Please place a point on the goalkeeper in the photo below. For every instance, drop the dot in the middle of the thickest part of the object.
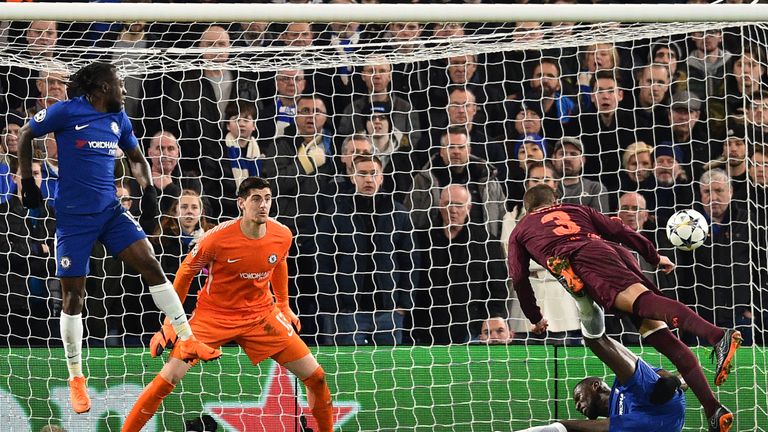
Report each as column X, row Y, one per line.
column 643, row 399
column 244, row 258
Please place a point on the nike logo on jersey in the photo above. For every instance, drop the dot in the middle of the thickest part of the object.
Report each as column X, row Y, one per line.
column 230, row 260
column 81, row 127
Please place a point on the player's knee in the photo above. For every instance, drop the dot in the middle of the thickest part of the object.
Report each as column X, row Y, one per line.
column 174, row 371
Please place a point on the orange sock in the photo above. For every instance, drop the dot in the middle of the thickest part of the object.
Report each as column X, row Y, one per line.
column 147, row 404
column 319, row 399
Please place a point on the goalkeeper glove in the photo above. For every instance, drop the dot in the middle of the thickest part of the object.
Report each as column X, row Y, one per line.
column 164, row 338
column 31, row 196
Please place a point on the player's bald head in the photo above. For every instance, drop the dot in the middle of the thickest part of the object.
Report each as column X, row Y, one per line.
column 539, row 196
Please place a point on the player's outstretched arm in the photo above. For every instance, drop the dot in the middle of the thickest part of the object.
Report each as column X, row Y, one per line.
column 31, row 195
column 141, row 170
column 615, row 355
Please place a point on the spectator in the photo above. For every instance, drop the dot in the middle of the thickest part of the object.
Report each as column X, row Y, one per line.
column 377, row 80
column 9, row 146
column 564, row 318
column 38, row 40
column 462, row 110
column 651, row 96
column 365, row 260
column 163, row 155
column 722, row 268
column 567, row 161
column 607, row 131
column 594, row 58
column 495, row 331
column 464, row 71
column 51, row 87
column 667, row 53
column 299, row 163
column 10, row 133
column 637, row 168
column 526, row 120
column 560, row 111
column 745, row 78
column 690, row 134
column 673, row 190
column 734, row 162
column 531, row 149
column 464, row 279
column 394, row 150
column 244, row 157
column 455, row 164
column 278, row 113
column 26, row 262
column 296, row 34
column 180, row 228
column 756, row 117
column 403, row 36
column 196, row 103
column 707, row 69
column 633, row 211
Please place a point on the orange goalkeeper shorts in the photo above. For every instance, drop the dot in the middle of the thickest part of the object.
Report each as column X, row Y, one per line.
column 263, row 336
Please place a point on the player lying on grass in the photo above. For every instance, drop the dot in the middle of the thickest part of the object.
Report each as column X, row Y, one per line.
column 89, row 128
column 244, row 257
column 581, row 247
column 642, row 399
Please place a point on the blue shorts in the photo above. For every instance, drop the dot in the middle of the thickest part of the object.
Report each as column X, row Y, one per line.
column 77, row 233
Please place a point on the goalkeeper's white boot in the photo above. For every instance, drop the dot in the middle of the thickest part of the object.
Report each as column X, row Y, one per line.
column 192, row 349
column 78, row 395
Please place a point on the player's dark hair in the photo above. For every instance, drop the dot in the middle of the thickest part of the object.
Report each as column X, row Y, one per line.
column 252, row 183
column 539, row 195
column 89, row 79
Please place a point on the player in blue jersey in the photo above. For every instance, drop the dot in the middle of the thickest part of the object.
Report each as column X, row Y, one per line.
column 89, row 128
column 643, row 398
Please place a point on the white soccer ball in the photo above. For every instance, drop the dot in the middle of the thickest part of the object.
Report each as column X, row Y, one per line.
column 687, row 229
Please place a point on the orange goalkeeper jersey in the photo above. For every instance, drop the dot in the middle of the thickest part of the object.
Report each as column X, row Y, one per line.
column 240, row 269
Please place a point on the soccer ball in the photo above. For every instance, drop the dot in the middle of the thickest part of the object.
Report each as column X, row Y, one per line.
column 687, row 229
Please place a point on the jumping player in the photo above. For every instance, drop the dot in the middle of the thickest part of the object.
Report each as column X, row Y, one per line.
column 244, row 257
column 642, row 399
column 89, row 129
column 577, row 244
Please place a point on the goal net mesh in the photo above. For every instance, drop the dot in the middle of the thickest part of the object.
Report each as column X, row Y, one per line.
column 399, row 279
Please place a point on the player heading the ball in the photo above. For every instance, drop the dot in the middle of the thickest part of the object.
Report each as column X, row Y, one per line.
column 244, row 257
column 89, row 128
column 584, row 248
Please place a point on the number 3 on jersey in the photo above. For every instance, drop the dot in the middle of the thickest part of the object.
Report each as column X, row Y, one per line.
column 565, row 225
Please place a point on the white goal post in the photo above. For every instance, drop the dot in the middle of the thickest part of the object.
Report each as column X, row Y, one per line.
column 444, row 374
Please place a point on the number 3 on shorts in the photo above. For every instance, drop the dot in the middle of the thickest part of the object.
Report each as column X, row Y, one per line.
column 285, row 323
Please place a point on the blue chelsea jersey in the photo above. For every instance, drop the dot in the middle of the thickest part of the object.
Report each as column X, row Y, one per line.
column 87, row 141
column 632, row 411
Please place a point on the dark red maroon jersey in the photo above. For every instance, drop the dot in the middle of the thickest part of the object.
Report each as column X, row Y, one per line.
column 560, row 230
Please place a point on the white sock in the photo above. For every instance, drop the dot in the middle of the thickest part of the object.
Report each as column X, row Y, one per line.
column 167, row 300
column 72, row 335
column 591, row 316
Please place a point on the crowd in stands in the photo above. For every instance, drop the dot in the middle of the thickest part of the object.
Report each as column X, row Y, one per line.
column 402, row 182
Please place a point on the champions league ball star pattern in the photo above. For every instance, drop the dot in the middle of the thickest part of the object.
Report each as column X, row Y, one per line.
column 687, row 229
